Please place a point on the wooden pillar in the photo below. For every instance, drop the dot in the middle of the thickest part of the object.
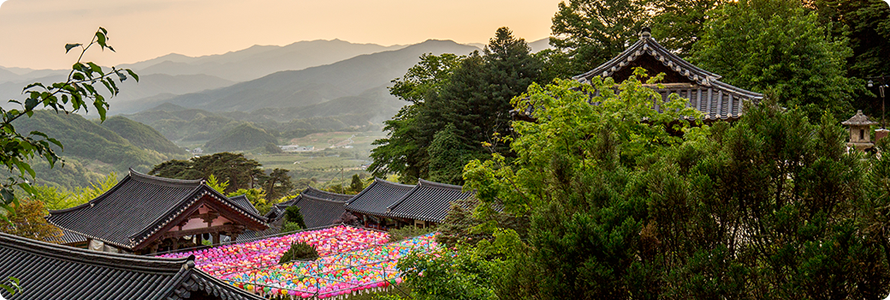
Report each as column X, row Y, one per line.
column 216, row 240
column 175, row 245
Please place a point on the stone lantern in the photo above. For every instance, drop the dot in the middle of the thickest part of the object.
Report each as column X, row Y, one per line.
column 860, row 131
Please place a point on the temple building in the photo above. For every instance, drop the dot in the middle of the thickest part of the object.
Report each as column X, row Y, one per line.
column 705, row 91
column 145, row 214
column 50, row 271
column 385, row 205
column 319, row 208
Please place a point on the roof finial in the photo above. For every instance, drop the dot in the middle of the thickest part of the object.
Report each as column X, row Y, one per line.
column 645, row 33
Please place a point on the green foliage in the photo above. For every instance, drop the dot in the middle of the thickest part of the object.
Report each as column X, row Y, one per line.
column 11, row 286
column 867, row 26
column 473, row 96
column 290, row 227
column 299, row 251
column 679, row 24
column 447, row 154
column 277, row 184
column 771, row 207
column 28, row 221
column 237, row 170
column 408, row 232
column 779, row 47
column 293, row 215
column 257, row 197
column 245, row 136
column 593, row 31
column 76, row 93
column 356, row 186
column 214, row 183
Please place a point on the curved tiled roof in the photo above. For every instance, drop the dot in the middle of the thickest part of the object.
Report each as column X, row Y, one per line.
column 377, row 197
column 49, row 271
column 319, row 212
column 244, row 203
column 277, row 210
column 428, row 201
column 138, row 207
column 716, row 99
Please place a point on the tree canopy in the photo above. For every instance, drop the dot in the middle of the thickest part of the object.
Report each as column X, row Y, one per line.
column 239, row 171
column 779, row 47
column 469, row 95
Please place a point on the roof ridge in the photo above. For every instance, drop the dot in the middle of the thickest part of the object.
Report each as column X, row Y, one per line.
column 321, row 199
column 405, row 196
column 93, row 201
column 162, row 180
column 326, row 192
column 439, row 184
column 62, row 252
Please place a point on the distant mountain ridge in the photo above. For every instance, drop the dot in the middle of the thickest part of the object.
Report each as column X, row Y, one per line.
column 315, row 85
column 93, row 149
column 257, row 61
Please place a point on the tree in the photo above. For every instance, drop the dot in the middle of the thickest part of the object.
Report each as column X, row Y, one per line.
column 28, row 221
column 239, row 171
column 356, row 186
column 402, row 151
column 277, row 184
column 446, row 153
column 76, row 93
column 866, row 23
column 779, row 47
column 474, row 98
column 292, row 214
column 770, row 207
column 593, row 31
column 678, row 25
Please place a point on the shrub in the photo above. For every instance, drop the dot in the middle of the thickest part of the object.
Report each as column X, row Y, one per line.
column 293, row 215
column 299, row 251
column 290, row 227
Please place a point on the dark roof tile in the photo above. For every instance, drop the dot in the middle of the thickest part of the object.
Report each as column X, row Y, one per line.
column 428, row 201
column 136, row 208
column 377, row 197
column 49, row 271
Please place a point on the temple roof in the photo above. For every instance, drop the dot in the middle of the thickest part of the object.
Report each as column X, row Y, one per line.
column 716, row 99
column 428, row 201
column 859, row 119
column 48, row 271
column 319, row 212
column 378, row 197
column 244, row 203
column 140, row 205
column 277, row 210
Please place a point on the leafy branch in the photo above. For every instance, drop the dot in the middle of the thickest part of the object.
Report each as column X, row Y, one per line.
column 78, row 92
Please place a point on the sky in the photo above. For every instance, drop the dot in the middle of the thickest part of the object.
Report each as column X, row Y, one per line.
column 33, row 33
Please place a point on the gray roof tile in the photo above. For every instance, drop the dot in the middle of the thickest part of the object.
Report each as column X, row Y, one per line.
column 377, row 197
column 49, row 271
column 135, row 208
column 428, row 201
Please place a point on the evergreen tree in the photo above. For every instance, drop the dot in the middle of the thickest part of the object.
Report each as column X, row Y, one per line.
column 779, row 47
column 594, row 31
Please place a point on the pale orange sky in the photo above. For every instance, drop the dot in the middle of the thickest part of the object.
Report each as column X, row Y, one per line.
column 33, row 32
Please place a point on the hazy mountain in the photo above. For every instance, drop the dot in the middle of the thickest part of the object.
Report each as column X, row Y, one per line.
column 258, row 61
column 539, row 45
column 314, row 85
column 93, row 150
column 6, row 75
column 161, row 86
